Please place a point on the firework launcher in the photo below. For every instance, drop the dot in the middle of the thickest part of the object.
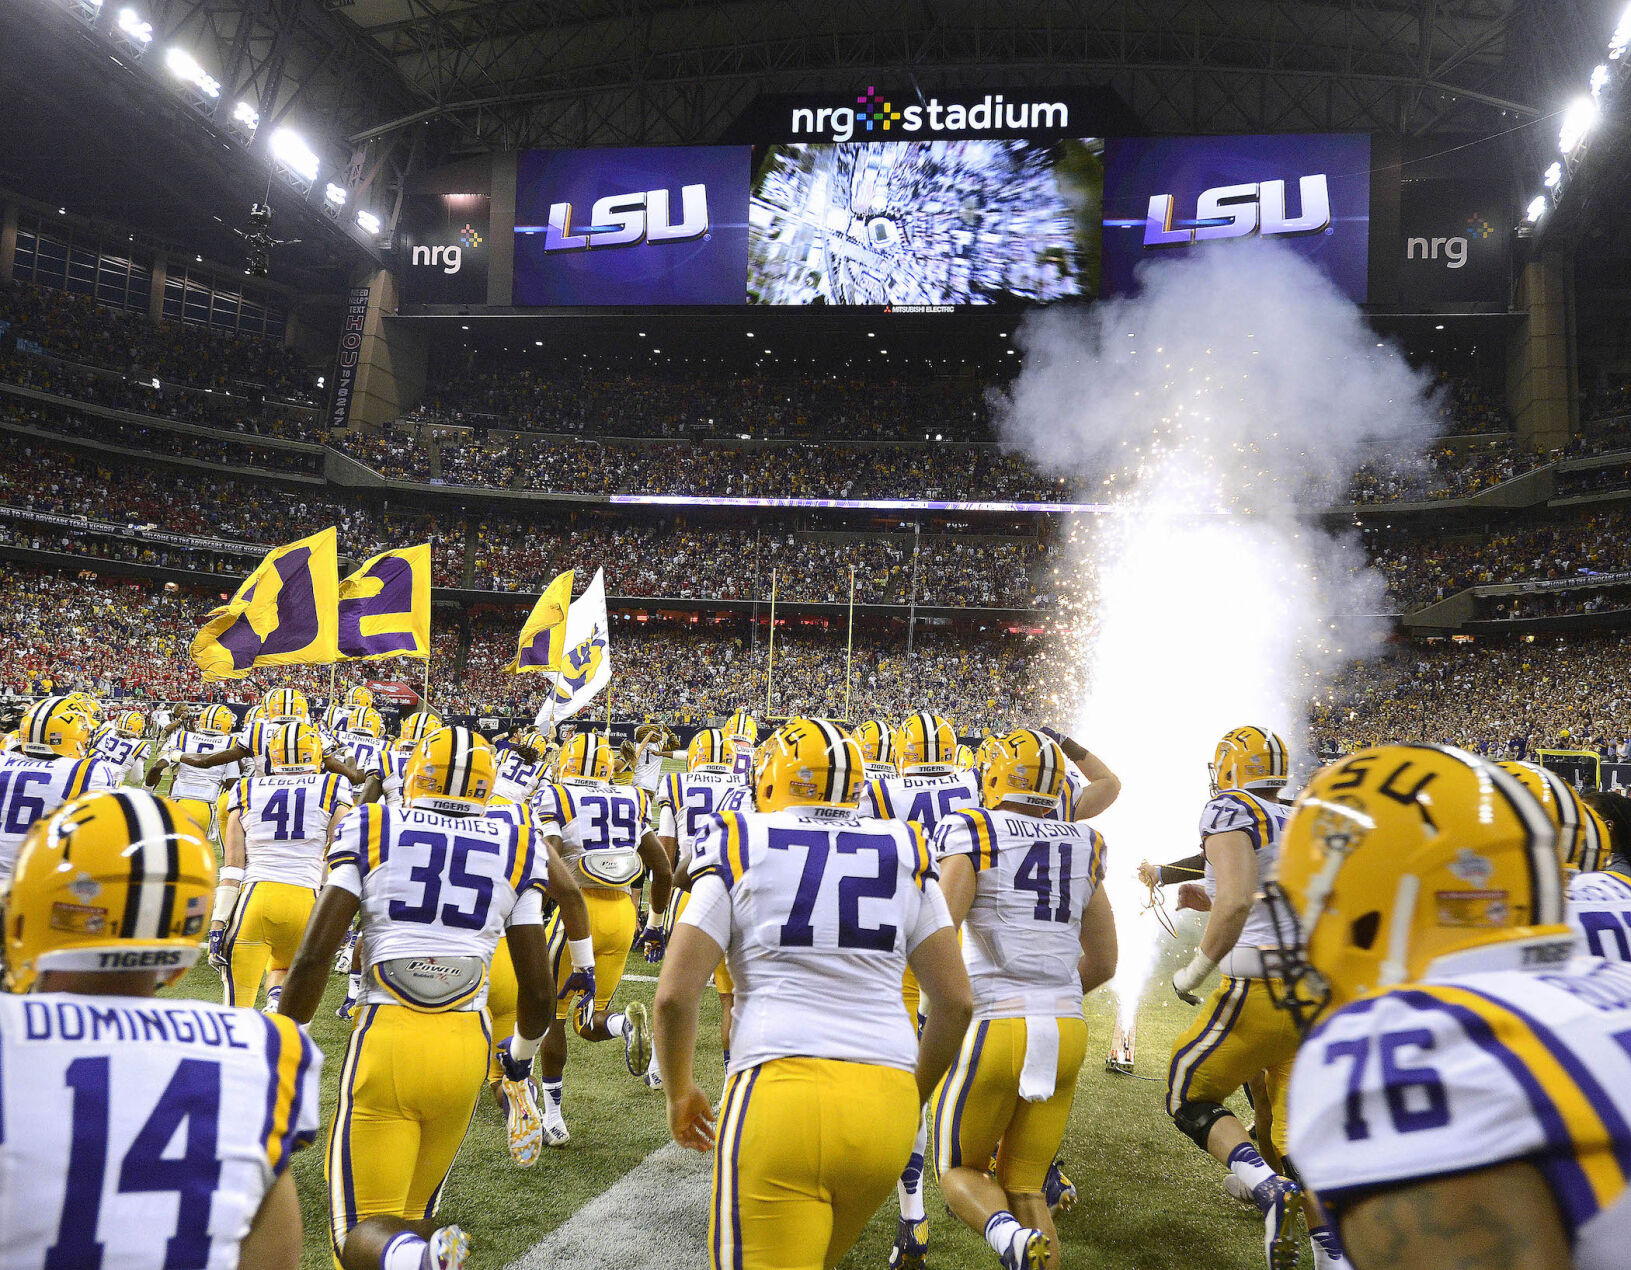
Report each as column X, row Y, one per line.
column 1120, row 1058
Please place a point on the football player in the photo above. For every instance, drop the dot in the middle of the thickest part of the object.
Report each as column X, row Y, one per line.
column 1463, row 1091
column 1038, row 934
column 123, row 745
column 811, row 905
column 137, row 1136
column 1239, row 1032
column 198, row 785
column 599, row 830
column 1600, row 899
column 50, row 766
column 742, row 731
column 520, row 766
column 276, row 831
column 685, row 801
column 876, row 741
column 363, row 742
column 437, row 884
column 927, row 789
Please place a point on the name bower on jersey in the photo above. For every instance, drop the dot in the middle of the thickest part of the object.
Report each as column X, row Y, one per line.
column 816, row 906
column 600, row 826
column 31, row 788
column 142, row 1132
column 285, row 821
column 924, row 800
column 1600, row 912
column 1022, row 936
column 437, row 891
column 1449, row 1077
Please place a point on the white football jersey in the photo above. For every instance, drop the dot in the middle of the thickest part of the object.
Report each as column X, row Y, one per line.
column 1034, row 878
column 1600, row 912
column 34, row 787
column 817, row 910
column 138, row 1132
column 592, row 816
column 124, row 754
column 1433, row 1079
column 203, row 783
column 516, row 778
column 685, row 800
column 364, row 753
column 1075, row 787
column 435, row 885
column 285, row 820
column 742, row 763
column 648, row 769
column 1263, row 821
column 925, row 800
column 255, row 738
column 393, row 766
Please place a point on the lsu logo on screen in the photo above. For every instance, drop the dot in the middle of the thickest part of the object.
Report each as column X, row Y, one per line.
column 1239, row 211
column 627, row 220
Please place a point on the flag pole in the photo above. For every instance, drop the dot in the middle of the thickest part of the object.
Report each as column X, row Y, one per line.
column 770, row 657
column 424, row 697
column 849, row 646
column 331, row 685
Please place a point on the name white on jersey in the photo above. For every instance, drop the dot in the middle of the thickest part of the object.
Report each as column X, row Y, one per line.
column 31, row 788
column 1600, row 912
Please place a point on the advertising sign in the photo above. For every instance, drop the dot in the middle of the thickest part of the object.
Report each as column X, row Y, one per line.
column 1455, row 241
column 345, row 369
column 632, row 226
column 444, row 245
column 1182, row 194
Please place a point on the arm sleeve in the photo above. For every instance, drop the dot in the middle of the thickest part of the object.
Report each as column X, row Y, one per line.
column 294, row 1102
column 529, row 909
column 350, row 845
column 709, row 910
column 719, row 850
column 346, row 876
column 871, row 800
column 932, row 915
column 102, row 776
column 1188, row 869
column 955, row 835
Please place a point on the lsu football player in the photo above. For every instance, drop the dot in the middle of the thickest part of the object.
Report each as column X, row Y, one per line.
column 1038, row 934
column 811, row 905
column 1463, row 1091
column 1600, row 901
column 876, row 741
column 1239, row 1033
column 276, row 831
column 363, row 742
column 204, row 758
column 685, row 801
column 742, row 730
column 123, row 745
column 106, row 905
column 50, row 766
column 927, row 789
column 437, row 884
column 600, row 831
column 520, row 766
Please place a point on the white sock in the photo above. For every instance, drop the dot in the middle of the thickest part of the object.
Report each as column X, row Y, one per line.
column 617, row 1024
column 272, row 995
column 652, row 1065
column 405, row 1252
column 1327, row 1249
column 1246, row 1164
column 1000, row 1231
column 353, row 986
column 909, row 1190
column 552, row 1097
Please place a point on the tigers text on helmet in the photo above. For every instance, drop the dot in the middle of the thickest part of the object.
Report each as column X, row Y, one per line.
column 585, row 757
column 55, row 726
column 1581, row 841
column 925, row 740
column 285, row 705
column 1397, row 858
column 1249, row 758
column 115, row 881
column 876, row 740
column 1024, row 767
column 710, row 751
column 809, row 761
column 294, row 747
column 451, row 770
column 365, row 721
column 742, row 725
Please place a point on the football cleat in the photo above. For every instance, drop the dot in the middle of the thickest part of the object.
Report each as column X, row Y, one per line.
column 637, row 1039
column 1276, row 1199
column 273, row 996
column 555, row 1132
column 1028, row 1251
column 342, row 957
column 1235, row 1188
column 447, row 1249
column 911, row 1250
column 1059, row 1190
column 521, row 1120
column 653, row 1078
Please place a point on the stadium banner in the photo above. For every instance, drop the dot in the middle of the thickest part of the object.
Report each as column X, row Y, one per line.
column 444, row 248
column 853, row 504
column 586, row 662
column 345, row 370
column 83, row 524
column 543, row 634
column 283, row 614
column 1165, row 195
column 1455, row 241
column 634, row 226
column 384, row 607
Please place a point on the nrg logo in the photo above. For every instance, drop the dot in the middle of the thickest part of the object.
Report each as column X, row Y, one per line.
column 1239, row 211
column 450, row 257
column 1455, row 249
column 627, row 220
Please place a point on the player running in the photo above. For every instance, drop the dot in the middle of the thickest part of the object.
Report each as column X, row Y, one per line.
column 50, row 766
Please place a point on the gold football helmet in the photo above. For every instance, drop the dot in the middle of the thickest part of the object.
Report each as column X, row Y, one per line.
column 285, row 705
column 452, row 769
column 964, row 762
column 1024, row 767
column 585, row 757
column 925, row 741
column 112, row 881
column 365, row 722
column 710, row 751
column 55, row 727
column 87, row 705
column 1581, row 838
column 294, row 747
column 359, row 698
column 215, row 719
column 131, row 724
column 742, row 724
column 876, row 740
column 809, row 761
column 1397, row 857
column 1249, row 758
column 416, row 727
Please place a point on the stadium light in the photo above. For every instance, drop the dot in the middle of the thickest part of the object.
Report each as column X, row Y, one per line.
column 246, row 117
column 370, row 224
column 1536, row 209
column 290, row 150
column 185, row 67
column 139, row 33
column 1577, row 122
column 1554, row 174
column 1621, row 39
column 334, row 195
column 1599, row 81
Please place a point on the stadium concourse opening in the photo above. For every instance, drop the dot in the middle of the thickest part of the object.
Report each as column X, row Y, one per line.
column 691, row 636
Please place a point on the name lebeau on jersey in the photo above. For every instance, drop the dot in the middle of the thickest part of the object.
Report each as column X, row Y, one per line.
column 824, row 909
column 285, row 821
column 923, row 799
column 1600, row 913
column 32, row 787
column 600, row 826
column 1022, row 936
column 1442, row 1078
column 437, row 891
column 139, row 1132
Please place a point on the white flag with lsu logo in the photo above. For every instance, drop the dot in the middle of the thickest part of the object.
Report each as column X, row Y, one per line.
column 586, row 662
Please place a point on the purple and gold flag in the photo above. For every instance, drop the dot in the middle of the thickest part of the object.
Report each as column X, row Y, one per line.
column 284, row 614
column 385, row 607
column 543, row 637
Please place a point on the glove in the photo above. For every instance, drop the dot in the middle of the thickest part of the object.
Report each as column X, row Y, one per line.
column 579, row 981
column 1054, row 735
column 653, row 941
column 514, row 1068
column 1190, row 978
column 217, row 957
